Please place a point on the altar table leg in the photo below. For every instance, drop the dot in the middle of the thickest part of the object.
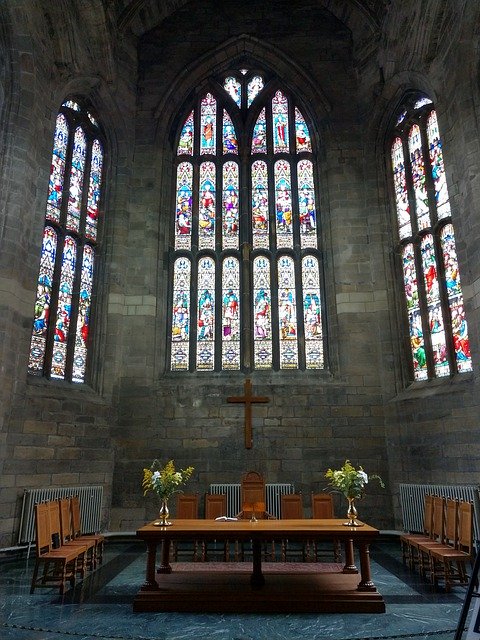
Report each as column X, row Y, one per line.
column 366, row 583
column 349, row 558
column 150, row 582
column 165, row 566
column 257, row 579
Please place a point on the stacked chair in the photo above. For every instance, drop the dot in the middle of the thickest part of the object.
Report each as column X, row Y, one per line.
column 445, row 547
column 61, row 549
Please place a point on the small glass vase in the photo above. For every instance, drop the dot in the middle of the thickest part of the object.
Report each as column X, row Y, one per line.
column 352, row 514
column 163, row 514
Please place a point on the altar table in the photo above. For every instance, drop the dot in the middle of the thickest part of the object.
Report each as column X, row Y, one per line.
column 344, row 589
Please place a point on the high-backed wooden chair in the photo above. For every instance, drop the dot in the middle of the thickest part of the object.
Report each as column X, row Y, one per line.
column 253, row 506
column 215, row 507
column 252, row 497
column 436, row 538
column 59, row 565
column 322, row 509
column 186, row 508
column 98, row 538
column 291, row 508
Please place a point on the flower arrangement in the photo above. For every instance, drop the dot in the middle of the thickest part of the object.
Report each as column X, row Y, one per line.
column 164, row 481
column 350, row 481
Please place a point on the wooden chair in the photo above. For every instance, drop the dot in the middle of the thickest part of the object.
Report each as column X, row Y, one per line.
column 215, row 507
column 98, row 538
column 252, row 500
column 291, row 508
column 59, row 565
column 322, row 509
column 186, row 508
column 252, row 497
column 449, row 561
column 59, row 513
column 436, row 538
column 408, row 541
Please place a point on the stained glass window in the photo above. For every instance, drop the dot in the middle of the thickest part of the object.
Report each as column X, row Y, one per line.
column 63, row 305
column 230, row 144
column 254, row 87
column 245, row 261
column 231, row 314
column 431, row 280
column 208, row 113
column 234, row 89
column 280, row 123
column 230, row 209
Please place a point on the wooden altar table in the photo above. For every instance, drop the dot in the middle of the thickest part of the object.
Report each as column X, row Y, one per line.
column 344, row 589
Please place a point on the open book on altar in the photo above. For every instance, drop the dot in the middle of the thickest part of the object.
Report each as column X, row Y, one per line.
column 226, row 519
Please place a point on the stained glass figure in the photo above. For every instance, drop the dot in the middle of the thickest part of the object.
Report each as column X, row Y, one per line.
column 306, row 205
column 57, row 169
column 83, row 318
column 231, row 313
column 95, row 182
column 206, row 207
column 302, row 135
column 438, row 168
column 417, row 341
column 455, row 300
column 230, row 144
column 208, row 121
column 283, row 204
column 183, row 213
column 401, row 193
column 206, row 315
column 180, row 345
column 280, row 123
column 77, row 171
column 417, row 163
column 435, row 314
column 185, row 143
column 287, row 313
column 64, row 309
column 312, row 314
column 253, row 89
column 259, row 138
column 260, row 217
column 230, row 206
column 262, row 313
column 43, row 302
column 234, row 89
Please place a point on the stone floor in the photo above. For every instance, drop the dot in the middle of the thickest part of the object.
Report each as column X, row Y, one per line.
column 101, row 607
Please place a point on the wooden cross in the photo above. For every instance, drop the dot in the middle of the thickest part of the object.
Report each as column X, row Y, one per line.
column 248, row 400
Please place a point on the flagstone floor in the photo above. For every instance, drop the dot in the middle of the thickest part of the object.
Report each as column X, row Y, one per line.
column 100, row 607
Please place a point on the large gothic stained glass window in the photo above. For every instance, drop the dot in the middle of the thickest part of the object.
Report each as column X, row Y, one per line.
column 63, row 306
column 246, row 271
column 431, row 280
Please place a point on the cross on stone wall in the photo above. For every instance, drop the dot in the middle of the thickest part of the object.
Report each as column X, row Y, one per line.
column 248, row 399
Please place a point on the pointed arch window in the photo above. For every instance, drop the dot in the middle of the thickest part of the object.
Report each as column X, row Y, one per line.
column 245, row 263
column 435, row 312
column 59, row 346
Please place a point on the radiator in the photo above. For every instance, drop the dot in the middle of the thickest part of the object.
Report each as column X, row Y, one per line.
column 412, row 501
column 273, row 491
column 90, row 508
